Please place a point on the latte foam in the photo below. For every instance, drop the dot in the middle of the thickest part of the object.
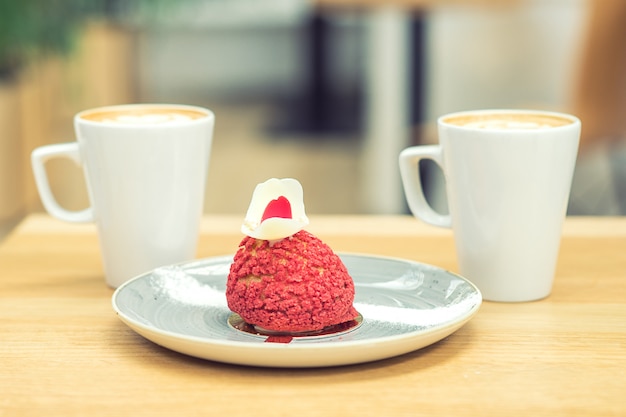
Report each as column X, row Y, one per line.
column 144, row 116
column 508, row 121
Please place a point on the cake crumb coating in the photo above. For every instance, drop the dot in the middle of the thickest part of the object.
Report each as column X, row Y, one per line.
column 297, row 284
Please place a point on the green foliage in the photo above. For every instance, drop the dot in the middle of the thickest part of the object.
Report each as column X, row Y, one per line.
column 32, row 27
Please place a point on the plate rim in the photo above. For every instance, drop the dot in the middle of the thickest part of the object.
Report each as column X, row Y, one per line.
column 447, row 327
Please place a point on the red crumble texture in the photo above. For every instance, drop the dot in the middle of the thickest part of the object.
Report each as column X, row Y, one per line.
column 299, row 284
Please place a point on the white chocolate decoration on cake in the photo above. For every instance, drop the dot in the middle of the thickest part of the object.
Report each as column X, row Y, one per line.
column 276, row 210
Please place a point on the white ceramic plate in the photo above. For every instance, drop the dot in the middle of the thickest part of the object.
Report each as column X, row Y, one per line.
column 405, row 306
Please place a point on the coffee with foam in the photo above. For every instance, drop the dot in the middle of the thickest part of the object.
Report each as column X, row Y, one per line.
column 148, row 115
column 508, row 121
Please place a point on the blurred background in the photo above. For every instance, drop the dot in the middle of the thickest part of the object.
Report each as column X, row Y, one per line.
column 326, row 91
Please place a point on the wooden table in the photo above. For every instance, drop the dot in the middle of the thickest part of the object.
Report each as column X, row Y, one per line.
column 63, row 351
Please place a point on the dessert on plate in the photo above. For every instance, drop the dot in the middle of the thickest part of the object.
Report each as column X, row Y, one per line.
column 284, row 279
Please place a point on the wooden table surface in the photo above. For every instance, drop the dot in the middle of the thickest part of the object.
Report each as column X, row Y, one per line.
column 63, row 351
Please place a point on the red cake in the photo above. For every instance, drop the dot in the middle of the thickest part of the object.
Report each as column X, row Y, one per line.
column 289, row 284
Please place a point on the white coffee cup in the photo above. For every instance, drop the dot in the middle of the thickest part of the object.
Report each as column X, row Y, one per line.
column 508, row 175
column 145, row 167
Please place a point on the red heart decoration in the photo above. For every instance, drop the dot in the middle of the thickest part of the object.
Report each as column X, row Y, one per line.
column 279, row 207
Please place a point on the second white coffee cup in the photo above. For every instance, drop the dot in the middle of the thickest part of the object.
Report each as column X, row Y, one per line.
column 145, row 167
column 507, row 176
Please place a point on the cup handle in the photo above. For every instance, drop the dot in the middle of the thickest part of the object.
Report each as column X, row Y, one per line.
column 412, row 182
column 39, row 156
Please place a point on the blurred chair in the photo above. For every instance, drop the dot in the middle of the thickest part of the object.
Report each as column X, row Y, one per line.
column 600, row 102
column 600, row 96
